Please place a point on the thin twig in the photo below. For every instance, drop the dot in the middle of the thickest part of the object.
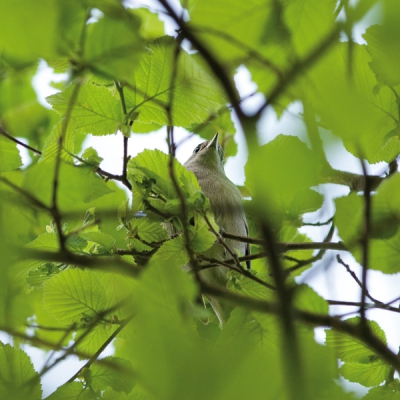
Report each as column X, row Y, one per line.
column 365, row 244
column 7, row 135
column 354, row 276
column 221, row 240
column 368, row 306
column 286, row 246
column 228, row 264
column 54, row 207
column 102, row 347
column 33, row 200
column 318, row 256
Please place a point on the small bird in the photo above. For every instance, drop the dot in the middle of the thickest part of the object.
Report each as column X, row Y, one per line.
column 207, row 164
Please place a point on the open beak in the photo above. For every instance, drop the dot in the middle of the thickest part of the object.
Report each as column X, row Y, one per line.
column 213, row 142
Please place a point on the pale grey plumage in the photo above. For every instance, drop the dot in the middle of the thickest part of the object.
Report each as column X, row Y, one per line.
column 206, row 163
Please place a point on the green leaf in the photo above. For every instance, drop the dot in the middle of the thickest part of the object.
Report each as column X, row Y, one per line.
column 91, row 156
column 96, row 110
column 349, row 105
column 147, row 230
column 195, row 95
column 18, row 378
column 72, row 391
column 151, row 27
column 45, row 242
column 248, row 287
column 384, row 244
column 385, row 208
column 201, row 237
column 114, row 372
column 365, row 374
column 172, row 253
column 233, row 29
column 383, row 393
column 74, row 295
column 113, row 47
column 384, row 48
column 9, row 155
column 119, row 293
column 90, row 339
column 152, row 167
column 309, row 21
column 52, row 143
column 101, row 238
column 29, row 40
column 284, row 193
column 78, row 185
column 349, row 208
column 306, row 299
column 351, row 349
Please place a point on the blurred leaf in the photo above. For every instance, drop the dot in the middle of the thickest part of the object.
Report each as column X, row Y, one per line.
column 72, row 391
column 248, row 287
column 117, row 374
column 113, row 46
column 284, row 193
column 18, row 378
column 74, row 295
column 306, row 299
column 101, row 238
column 383, row 393
column 309, row 21
column 52, row 143
column 29, row 40
column 348, row 104
column 91, row 338
column 9, row 155
column 78, row 185
column 384, row 47
column 151, row 26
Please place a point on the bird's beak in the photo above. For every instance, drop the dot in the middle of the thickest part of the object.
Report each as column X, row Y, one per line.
column 213, row 142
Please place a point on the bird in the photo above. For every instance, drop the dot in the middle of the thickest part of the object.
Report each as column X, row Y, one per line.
column 207, row 164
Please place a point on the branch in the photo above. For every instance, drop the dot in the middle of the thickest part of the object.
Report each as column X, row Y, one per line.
column 102, row 348
column 7, row 135
column 285, row 246
column 355, row 182
column 368, row 306
column 228, row 264
column 318, row 256
column 365, row 243
column 54, row 207
column 103, row 263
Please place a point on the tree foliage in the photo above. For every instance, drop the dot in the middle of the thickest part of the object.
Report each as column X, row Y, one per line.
column 84, row 264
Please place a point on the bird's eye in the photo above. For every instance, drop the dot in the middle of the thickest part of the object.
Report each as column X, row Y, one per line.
column 196, row 150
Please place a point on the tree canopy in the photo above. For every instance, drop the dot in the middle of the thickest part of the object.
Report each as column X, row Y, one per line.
column 85, row 259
